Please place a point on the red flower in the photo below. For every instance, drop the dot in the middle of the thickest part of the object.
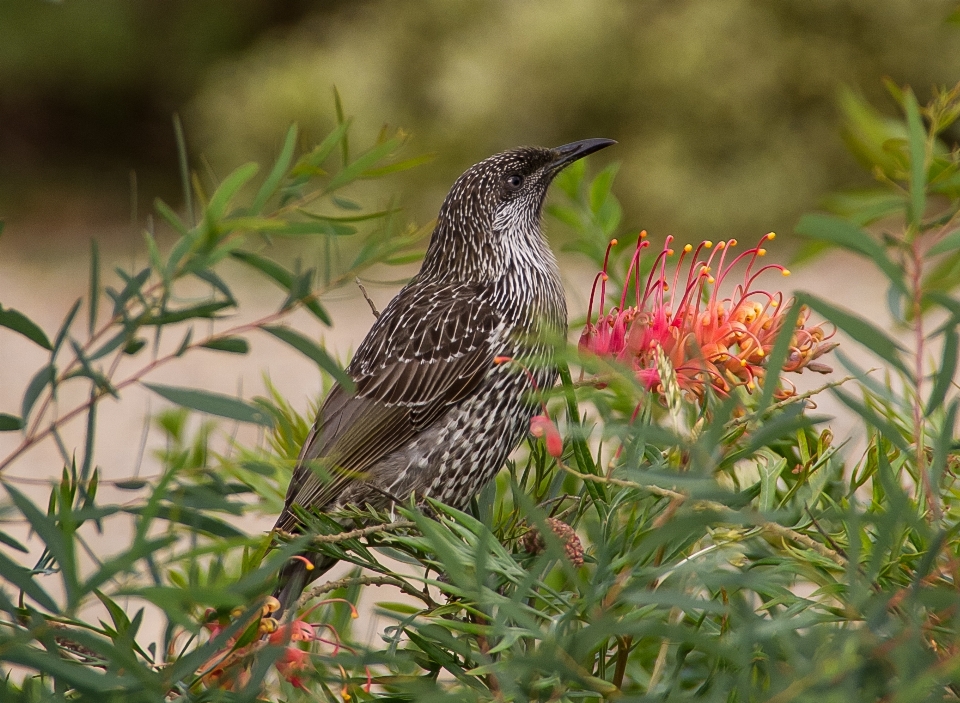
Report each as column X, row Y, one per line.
column 291, row 663
column 708, row 340
column 542, row 426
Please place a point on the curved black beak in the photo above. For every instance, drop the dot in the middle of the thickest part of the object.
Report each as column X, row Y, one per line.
column 568, row 153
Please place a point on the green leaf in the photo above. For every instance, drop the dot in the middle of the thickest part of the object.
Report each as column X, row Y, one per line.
column 94, row 285
column 170, row 216
column 212, row 403
column 202, row 310
column 342, row 121
column 18, row 322
column 220, row 200
column 283, row 277
column 279, row 170
column 233, row 345
column 403, row 165
column 866, row 333
column 217, row 282
column 43, row 378
column 873, row 419
column 313, row 351
column 600, row 187
column 849, row 236
column 10, row 423
column 948, row 243
column 917, row 139
column 323, row 150
column 23, row 579
column 364, row 162
column 57, row 544
column 943, row 378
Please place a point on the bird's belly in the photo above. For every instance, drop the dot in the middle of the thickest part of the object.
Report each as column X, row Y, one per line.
column 462, row 451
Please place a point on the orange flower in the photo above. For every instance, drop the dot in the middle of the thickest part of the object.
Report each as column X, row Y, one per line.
column 709, row 340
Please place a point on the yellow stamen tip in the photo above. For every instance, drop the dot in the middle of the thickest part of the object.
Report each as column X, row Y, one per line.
column 721, row 245
column 606, row 277
column 785, row 272
column 707, row 244
column 743, row 362
column 761, row 252
column 771, row 235
column 761, row 353
column 774, row 304
column 669, row 252
column 613, row 242
column 688, row 248
column 711, row 279
column 643, row 234
column 733, row 242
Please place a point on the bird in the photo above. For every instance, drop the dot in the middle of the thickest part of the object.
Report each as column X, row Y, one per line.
column 433, row 411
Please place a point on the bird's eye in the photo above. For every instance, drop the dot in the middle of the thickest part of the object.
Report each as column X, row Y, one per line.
column 514, row 181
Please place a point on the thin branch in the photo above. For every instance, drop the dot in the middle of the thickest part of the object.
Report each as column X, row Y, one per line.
column 353, row 534
column 399, row 583
column 767, row 526
column 373, row 307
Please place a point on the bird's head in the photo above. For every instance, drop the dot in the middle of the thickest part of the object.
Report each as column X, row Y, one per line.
column 494, row 208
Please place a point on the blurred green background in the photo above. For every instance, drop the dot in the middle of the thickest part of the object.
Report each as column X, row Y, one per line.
column 726, row 110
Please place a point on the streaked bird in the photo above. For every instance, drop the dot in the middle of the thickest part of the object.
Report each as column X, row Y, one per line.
column 432, row 414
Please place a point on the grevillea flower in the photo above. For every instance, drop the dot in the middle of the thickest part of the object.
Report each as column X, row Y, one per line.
column 229, row 668
column 543, row 426
column 709, row 340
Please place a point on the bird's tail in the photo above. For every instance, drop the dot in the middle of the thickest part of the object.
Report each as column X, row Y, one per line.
column 295, row 576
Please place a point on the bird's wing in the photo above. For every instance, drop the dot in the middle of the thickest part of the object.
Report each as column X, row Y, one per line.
column 429, row 350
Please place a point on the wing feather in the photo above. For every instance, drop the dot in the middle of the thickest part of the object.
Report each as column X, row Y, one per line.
column 429, row 350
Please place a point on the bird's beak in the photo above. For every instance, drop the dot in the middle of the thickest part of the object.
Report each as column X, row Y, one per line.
column 568, row 153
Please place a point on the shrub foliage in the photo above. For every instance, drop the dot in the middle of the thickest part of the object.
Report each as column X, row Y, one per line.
column 678, row 546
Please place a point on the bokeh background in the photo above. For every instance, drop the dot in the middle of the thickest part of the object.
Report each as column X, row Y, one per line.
column 727, row 113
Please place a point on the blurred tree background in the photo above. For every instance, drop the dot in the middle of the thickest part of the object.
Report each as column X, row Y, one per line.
column 727, row 111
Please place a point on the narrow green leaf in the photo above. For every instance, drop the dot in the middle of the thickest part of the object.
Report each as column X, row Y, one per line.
column 396, row 167
column 153, row 252
column 281, row 276
column 184, row 167
column 228, row 189
column 11, row 542
column 212, row 403
column 849, row 236
column 43, row 378
column 132, row 289
column 167, row 213
column 365, row 161
column 20, row 577
column 214, row 280
column 323, row 150
column 342, row 121
column 600, row 187
column 873, row 419
column 943, row 379
column 10, row 423
column 94, row 301
column 350, row 218
column 185, row 343
column 948, row 243
column 18, row 322
column 918, row 160
column 57, row 544
column 866, row 333
column 110, row 345
column 201, row 311
column 233, row 345
column 279, row 170
column 313, row 351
